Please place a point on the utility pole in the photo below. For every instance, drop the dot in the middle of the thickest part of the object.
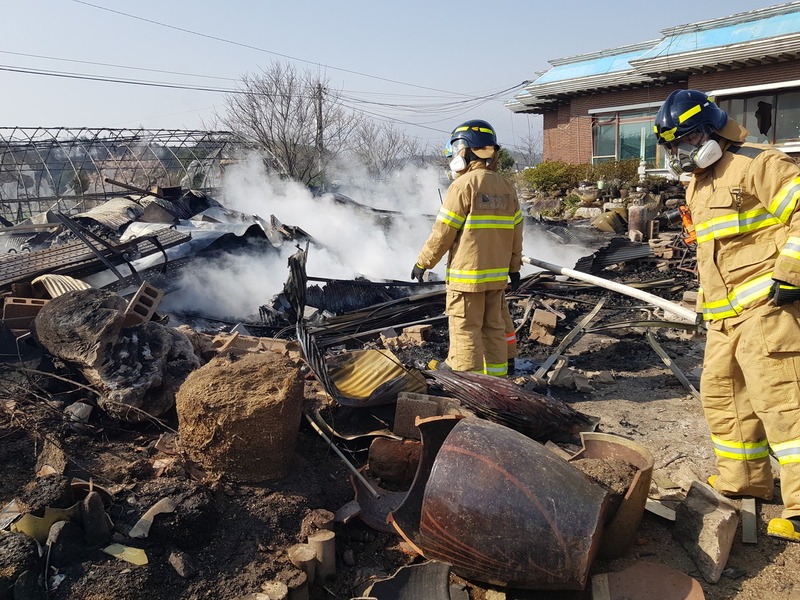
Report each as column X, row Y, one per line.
column 320, row 149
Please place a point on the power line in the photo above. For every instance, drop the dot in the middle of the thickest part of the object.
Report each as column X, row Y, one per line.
column 86, row 77
column 100, row 64
column 251, row 47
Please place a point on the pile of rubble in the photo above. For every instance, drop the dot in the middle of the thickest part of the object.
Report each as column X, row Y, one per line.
column 313, row 454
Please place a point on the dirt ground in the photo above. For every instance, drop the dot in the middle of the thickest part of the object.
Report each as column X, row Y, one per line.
column 236, row 535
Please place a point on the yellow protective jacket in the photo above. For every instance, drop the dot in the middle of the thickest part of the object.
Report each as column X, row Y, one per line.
column 481, row 225
column 744, row 209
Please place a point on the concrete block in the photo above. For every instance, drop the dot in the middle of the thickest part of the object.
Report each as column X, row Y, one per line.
column 19, row 312
column 705, row 525
column 543, row 324
column 562, row 375
column 142, row 306
column 409, row 406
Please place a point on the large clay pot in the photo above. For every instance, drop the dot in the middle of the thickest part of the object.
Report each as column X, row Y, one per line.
column 500, row 507
column 620, row 530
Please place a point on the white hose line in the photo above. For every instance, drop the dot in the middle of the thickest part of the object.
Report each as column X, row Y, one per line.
column 676, row 310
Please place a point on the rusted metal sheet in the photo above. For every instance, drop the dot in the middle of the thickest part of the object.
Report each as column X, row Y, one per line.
column 501, row 508
column 502, row 401
column 74, row 258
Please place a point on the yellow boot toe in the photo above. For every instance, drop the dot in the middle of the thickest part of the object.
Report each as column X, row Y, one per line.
column 785, row 529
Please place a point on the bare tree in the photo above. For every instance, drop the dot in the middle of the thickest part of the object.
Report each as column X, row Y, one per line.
column 294, row 118
column 529, row 152
column 382, row 149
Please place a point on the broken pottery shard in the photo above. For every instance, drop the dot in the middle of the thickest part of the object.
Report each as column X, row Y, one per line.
column 348, row 511
column 429, row 580
column 39, row 527
column 96, row 523
column 646, row 581
column 623, row 521
column 182, row 563
column 374, row 511
column 501, row 508
column 135, row 556
column 142, row 527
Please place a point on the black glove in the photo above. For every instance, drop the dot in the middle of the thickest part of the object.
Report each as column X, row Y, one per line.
column 514, row 277
column 417, row 272
column 783, row 293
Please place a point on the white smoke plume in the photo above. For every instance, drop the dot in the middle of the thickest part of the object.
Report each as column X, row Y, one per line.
column 352, row 241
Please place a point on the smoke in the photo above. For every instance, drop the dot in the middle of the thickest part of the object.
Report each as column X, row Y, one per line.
column 351, row 240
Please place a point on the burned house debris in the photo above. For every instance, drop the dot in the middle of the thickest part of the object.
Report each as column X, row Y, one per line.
column 308, row 450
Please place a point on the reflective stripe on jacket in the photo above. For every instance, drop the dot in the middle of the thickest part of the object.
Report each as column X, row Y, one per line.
column 480, row 224
column 744, row 208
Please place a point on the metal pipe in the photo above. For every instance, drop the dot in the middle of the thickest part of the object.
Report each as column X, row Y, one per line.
column 347, row 463
column 675, row 309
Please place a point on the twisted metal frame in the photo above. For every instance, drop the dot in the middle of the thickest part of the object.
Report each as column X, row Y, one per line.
column 66, row 168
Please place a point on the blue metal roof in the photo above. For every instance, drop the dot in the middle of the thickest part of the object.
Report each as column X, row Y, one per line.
column 595, row 66
column 736, row 33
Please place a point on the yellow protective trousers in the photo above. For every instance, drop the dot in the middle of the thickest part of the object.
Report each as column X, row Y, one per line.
column 750, row 391
column 477, row 332
column 511, row 331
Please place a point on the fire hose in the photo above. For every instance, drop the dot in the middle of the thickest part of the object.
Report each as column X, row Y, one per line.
column 676, row 310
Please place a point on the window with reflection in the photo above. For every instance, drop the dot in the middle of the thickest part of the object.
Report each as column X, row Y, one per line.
column 769, row 118
column 624, row 135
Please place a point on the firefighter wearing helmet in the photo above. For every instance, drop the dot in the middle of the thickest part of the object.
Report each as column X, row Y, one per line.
column 479, row 226
column 743, row 199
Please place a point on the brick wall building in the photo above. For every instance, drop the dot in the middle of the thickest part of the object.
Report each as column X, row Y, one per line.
column 600, row 106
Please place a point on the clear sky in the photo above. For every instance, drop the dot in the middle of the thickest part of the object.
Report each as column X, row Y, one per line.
column 429, row 60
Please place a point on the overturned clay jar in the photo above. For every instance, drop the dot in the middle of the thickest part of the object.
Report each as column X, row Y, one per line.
column 500, row 507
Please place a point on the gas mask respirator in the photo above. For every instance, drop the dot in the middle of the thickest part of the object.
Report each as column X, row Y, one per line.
column 689, row 158
column 457, row 164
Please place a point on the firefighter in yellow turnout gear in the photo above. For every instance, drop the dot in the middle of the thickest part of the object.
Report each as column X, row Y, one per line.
column 480, row 225
column 744, row 203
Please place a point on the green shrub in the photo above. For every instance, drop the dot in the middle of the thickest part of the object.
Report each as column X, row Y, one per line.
column 621, row 171
column 551, row 176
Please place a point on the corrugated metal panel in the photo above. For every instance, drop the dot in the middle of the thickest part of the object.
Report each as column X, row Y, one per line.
column 789, row 45
column 114, row 214
column 748, row 29
column 374, row 377
column 57, row 285
column 74, row 257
